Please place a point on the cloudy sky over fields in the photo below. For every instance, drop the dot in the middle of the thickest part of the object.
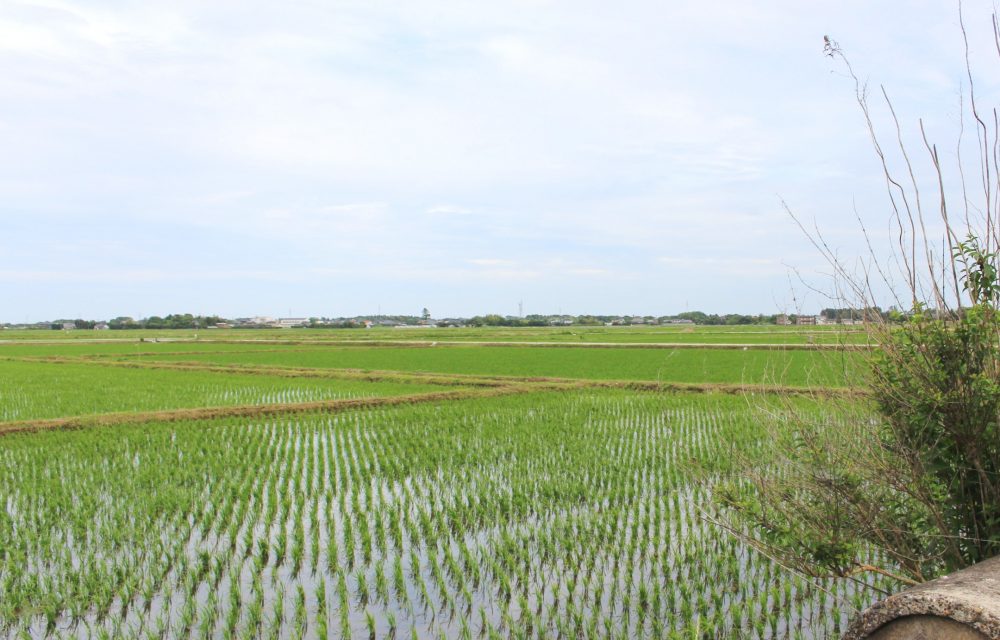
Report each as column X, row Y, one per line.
column 331, row 158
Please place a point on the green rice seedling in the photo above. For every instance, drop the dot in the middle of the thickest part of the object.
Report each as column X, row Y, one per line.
column 396, row 529
column 345, row 623
column 314, row 547
column 301, row 615
column 425, row 598
column 209, row 612
column 332, row 554
column 280, row 544
column 343, row 595
column 378, row 530
column 390, row 619
column 398, row 579
column 187, row 615
column 370, row 624
column 298, row 542
column 414, row 563
column 381, row 584
column 484, row 623
column 255, row 608
column 277, row 613
column 321, row 609
column 349, row 550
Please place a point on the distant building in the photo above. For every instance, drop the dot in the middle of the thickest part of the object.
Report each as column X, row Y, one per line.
column 288, row 323
column 68, row 326
column 101, row 326
column 804, row 320
column 782, row 319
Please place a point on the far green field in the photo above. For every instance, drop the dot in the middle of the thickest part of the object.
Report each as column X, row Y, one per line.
column 129, row 347
column 799, row 368
column 744, row 334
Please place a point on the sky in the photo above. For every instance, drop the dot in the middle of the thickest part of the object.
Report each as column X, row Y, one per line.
column 334, row 158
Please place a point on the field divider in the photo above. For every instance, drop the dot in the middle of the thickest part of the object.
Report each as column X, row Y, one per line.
column 100, row 356
column 210, row 413
column 403, row 377
column 539, row 344
column 729, row 388
column 749, row 346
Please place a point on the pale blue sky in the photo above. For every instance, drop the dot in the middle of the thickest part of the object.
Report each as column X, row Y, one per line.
column 334, row 158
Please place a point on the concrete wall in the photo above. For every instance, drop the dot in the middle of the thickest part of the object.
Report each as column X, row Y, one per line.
column 962, row 606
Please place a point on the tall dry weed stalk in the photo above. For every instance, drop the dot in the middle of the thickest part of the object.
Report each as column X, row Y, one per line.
column 906, row 485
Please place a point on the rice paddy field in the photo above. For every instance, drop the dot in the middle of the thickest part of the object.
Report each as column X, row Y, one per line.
column 303, row 488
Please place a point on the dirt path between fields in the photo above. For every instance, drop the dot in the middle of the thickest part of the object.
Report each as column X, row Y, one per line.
column 428, row 344
column 210, row 413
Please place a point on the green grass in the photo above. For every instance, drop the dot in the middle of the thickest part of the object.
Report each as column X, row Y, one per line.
column 798, row 368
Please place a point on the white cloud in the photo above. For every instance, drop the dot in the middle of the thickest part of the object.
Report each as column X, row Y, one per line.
column 510, row 51
column 490, row 262
column 747, row 267
column 150, row 276
column 447, row 209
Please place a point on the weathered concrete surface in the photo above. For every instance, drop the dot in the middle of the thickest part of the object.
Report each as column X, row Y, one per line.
column 925, row 628
column 962, row 606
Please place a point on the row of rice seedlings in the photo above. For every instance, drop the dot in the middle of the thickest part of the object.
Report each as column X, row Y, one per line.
column 537, row 516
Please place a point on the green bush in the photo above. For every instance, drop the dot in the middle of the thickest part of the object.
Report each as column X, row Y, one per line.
column 909, row 486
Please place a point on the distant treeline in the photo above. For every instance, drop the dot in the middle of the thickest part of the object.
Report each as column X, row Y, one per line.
column 191, row 321
column 173, row 321
column 696, row 317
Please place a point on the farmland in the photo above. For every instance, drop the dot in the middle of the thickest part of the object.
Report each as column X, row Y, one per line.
column 41, row 390
column 397, row 491
column 763, row 334
column 673, row 365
